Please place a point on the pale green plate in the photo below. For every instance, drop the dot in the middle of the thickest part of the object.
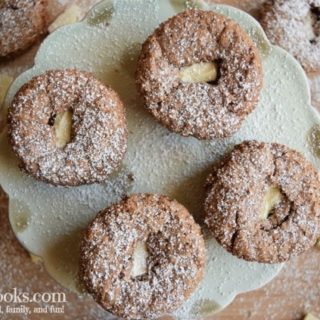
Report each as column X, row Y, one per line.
column 47, row 220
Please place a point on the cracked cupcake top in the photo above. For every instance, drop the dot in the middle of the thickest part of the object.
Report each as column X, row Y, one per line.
column 200, row 74
column 22, row 22
column 171, row 263
column 295, row 26
column 67, row 128
column 263, row 202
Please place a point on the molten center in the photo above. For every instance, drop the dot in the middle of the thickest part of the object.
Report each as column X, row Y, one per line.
column 63, row 127
column 139, row 263
column 271, row 199
column 199, row 72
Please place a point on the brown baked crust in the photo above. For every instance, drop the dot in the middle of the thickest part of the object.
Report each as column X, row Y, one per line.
column 22, row 23
column 236, row 190
column 99, row 134
column 202, row 110
column 285, row 23
column 175, row 264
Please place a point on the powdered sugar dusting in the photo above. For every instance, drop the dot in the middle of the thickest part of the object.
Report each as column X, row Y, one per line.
column 22, row 22
column 295, row 26
column 174, row 266
column 98, row 121
column 160, row 161
column 236, row 195
column 204, row 110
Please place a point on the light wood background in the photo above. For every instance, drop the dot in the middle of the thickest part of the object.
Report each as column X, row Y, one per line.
column 293, row 293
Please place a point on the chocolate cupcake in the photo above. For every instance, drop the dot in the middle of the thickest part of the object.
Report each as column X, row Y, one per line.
column 22, row 23
column 67, row 128
column 295, row 26
column 200, row 74
column 263, row 202
column 142, row 257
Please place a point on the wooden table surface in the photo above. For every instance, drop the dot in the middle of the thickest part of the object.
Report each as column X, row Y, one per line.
column 293, row 293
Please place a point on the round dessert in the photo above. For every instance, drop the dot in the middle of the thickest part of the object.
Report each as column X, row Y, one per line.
column 263, row 203
column 22, row 23
column 200, row 74
column 68, row 128
column 295, row 26
column 142, row 257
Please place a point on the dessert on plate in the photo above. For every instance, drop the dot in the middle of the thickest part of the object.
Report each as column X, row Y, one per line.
column 142, row 257
column 68, row 128
column 200, row 74
column 295, row 26
column 263, row 202
column 22, row 23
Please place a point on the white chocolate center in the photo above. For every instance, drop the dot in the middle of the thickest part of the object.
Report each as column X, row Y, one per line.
column 200, row 72
column 63, row 127
column 271, row 199
column 139, row 263
column 309, row 316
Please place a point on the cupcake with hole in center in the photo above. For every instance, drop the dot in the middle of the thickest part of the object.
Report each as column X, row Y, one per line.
column 67, row 128
column 200, row 74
